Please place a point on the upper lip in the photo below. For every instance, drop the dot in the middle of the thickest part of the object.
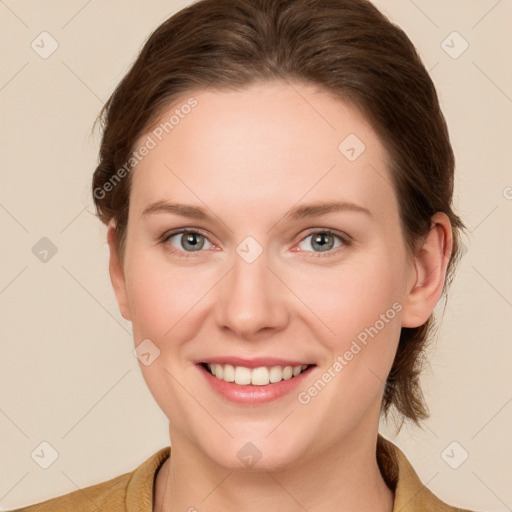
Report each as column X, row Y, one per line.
column 253, row 363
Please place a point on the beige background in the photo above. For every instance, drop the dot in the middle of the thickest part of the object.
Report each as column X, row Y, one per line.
column 67, row 372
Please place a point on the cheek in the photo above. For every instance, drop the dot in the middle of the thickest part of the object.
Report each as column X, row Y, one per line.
column 352, row 297
column 360, row 307
column 160, row 297
column 162, row 304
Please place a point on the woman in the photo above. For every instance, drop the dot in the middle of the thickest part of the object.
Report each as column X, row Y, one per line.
column 276, row 177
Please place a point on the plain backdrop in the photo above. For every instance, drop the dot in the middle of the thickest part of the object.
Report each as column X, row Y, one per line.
column 68, row 376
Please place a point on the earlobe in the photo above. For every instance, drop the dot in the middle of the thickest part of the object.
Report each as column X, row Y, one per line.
column 431, row 262
column 117, row 272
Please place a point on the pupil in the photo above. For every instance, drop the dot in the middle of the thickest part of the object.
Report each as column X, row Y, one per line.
column 320, row 239
column 191, row 239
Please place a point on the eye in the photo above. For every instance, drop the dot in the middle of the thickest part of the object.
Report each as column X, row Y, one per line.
column 323, row 241
column 186, row 241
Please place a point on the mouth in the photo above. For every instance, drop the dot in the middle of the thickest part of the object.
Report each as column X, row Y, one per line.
column 254, row 382
column 257, row 376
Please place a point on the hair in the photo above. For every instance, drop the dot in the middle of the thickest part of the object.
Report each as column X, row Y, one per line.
column 346, row 47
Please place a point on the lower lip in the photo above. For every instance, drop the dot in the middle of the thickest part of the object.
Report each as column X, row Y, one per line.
column 250, row 394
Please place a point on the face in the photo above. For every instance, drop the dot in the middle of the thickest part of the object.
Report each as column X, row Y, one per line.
column 251, row 275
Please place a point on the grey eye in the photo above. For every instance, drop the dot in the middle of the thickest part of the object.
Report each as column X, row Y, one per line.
column 322, row 241
column 188, row 241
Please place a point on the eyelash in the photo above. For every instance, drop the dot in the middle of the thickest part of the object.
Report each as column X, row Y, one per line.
column 344, row 239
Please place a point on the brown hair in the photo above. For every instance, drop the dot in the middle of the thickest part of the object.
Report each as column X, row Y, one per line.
column 348, row 48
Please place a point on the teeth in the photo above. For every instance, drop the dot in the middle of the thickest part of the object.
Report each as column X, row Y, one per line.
column 242, row 375
column 276, row 374
column 260, row 376
column 229, row 373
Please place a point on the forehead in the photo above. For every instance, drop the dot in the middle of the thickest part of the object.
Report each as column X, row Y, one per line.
column 266, row 145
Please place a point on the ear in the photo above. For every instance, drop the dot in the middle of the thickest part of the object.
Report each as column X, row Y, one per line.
column 117, row 272
column 431, row 261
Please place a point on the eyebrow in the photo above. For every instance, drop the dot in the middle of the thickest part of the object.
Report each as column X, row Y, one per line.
column 300, row 212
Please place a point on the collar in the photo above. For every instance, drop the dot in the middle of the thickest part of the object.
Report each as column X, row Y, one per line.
column 410, row 493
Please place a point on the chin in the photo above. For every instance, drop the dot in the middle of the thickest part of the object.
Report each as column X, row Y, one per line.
column 254, row 453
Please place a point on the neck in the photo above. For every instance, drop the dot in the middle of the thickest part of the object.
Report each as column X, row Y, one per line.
column 343, row 478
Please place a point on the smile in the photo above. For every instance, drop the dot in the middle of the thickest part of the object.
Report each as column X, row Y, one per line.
column 254, row 381
column 260, row 376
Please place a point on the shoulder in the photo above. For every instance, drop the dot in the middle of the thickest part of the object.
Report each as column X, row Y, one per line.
column 108, row 495
column 129, row 491
column 411, row 495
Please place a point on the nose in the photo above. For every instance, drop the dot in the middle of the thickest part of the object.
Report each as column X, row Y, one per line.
column 252, row 300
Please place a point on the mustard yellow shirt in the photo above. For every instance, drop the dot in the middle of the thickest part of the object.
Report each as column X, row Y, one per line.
column 133, row 492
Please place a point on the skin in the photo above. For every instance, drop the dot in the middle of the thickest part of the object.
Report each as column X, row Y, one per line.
column 247, row 157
